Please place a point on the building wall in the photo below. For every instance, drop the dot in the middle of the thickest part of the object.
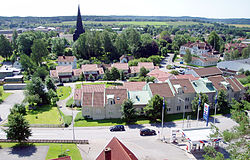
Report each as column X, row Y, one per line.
column 73, row 64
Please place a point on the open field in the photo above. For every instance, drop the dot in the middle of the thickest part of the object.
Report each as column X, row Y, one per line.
column 44, row 115
column 240, row 25
column 139, row 23
column 54, row 149
column 63, row 92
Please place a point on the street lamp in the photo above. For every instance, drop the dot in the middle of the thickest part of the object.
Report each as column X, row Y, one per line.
column 183, row 110
column 73, row 123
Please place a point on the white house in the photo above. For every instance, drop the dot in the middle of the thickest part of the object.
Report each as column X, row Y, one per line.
column 198, row 48
column 204, row 61
column 17, row 64
column 67, row 60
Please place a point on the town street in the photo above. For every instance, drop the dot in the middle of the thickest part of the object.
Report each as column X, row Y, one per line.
column 148, row 147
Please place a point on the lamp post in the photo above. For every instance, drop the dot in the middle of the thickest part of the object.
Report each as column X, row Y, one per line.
column 183, row 110
column 73, row 124
column 216, row 96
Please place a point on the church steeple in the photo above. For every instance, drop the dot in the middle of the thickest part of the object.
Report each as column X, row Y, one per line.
column 79, row 27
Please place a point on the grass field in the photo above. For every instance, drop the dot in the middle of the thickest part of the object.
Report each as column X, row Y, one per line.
column 54, row 149
column 44, row 115
column 5, row 94
column 112, row 122
column 63, row 92
column 139, row 23
column 240, row 25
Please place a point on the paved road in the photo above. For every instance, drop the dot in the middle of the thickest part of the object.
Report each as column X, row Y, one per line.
column 144, row 147
column 16, row 97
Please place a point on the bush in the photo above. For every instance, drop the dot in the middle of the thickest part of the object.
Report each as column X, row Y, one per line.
column 70, row 102
column 175, row 55
column 169, row 66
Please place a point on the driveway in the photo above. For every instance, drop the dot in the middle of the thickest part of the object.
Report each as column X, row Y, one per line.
column 16, row 97
column 24, row 153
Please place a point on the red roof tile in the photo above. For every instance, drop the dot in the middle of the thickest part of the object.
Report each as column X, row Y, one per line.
column 185, row 84
column 133, row 86
column 147, row 65
column 77, row 72
column 205, row 59
column 236, row 81
column 98, row 99
column 78, row 94
column 119, row 95
column 93, row 88
column 87, row 99
column 66, row 58
column 118, row 151
column 187, row 76
column 162, row 89
column 206, row 72
column 53, row 73
column 90, row 67
column 64, row 69
column 134, row 69
column 216, row 81
column 160, row 75
column 120, row 66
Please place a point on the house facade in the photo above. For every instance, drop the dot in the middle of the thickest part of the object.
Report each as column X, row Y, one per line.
column 65, row 74
column 92, row 69
column 67, row 61
column 204, row 61
column 198, row 48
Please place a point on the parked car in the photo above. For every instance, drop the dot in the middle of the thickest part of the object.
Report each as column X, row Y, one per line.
column 117, row 128
column 59, row 84
column 146, row 132
column 181, row 71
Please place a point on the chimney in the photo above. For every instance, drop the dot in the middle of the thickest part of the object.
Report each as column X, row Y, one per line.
column 107, row 153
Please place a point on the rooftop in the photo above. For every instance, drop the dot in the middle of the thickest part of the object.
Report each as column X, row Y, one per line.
column 64, row 69
column 66, row 58
column 139, row 97
column 206, row 72
column 162, row 89
column 93, row 88
column 184, row 83
column 90, row 67
column 120, row 66
column 147, row 65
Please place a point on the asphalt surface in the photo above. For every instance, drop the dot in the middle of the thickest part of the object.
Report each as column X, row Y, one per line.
column 16, row 97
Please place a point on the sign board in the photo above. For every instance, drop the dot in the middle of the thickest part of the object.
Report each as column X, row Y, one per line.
column 206, row 112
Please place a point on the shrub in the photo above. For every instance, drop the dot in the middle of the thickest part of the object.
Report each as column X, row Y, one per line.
column 79, row 117
column 70, row 102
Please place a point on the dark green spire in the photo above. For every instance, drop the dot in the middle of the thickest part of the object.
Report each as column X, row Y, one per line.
column 79, row 27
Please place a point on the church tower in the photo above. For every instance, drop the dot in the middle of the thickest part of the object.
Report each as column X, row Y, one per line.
column 79, row 27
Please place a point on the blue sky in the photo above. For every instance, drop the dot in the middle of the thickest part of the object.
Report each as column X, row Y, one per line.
column 194, row 8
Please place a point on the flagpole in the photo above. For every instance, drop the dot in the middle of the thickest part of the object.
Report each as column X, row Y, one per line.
column 215, row 105
column 198, row 110
column 162, row 117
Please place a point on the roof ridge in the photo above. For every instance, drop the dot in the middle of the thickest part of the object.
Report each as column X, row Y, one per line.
column 122, row 146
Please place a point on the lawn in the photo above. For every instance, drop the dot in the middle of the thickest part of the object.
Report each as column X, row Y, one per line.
column 54, row 149
column 63, row 92
column 111, row 122
column 44, row 115
column 240, row 25
column 5, row 94
column 107, row 84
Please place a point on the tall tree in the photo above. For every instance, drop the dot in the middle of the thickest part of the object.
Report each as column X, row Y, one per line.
column 154, row 107
column 14, row 40
column 188, row 56
column 246, row 52
column 122, row 76
column 223, row 105
column 39, row 51
column 214, row 40
column 128, row 111
column 58, row 46
column 25, row 41
column 134, row 41
column 5, row 47
column 18, row 108
column 143, row 72
column 107, row 75
column 50, row 84
column 27, row 64
column 195, row 103
column 121, row 45
column 115, row 74
column 18, row 128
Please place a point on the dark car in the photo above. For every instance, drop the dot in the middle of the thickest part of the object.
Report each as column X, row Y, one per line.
column 59, row 84
column 117, row 128
column 146, row 132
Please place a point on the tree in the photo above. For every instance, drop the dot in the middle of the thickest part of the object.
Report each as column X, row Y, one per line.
column 39, row 51
column 91, row 77
column 174, row 72
column 246, row 52
column 128, row 111
column 82, row 77
column 18, row 128
column 25, row 41
column 52, row 95
column 143, row 72
column 122, row 76
column 41, row 72
column 214, row 40
column 115, row 74
column 154, row 107
column 188, row 56
column 134, row 41
column 14, row 40
column 18, row 108
column 195, row 103
column 58, row 46
column 212, row 154
column 50, row 84
column 27, row 64
column 33, row 100
column 5, row 47
column 223, row 105
column 121, row 44
column 107, row 75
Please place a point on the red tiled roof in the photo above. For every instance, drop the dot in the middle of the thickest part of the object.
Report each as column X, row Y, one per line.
column 187, row 76
column 62, row 158
column 119, row 95
column 134, row 69
column 147, row 65
column 240, row 76
column 118, row 151
column 162, row 89
column 233, row 84
column 236, row 81
column 93, row 88
column 87, row 99
column 64, row 69
column 205, row 59
column 216, row 81
column 66, row 58
column 98, row 99
column 78, row 94
column 210, row 71
column 185, row 84
column 133, row 86
column 160, row 75
column 90, row 67
column 120, row 66
column 53, row 73
column 77, row 72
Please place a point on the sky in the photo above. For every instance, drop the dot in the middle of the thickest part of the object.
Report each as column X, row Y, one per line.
column 194, row 8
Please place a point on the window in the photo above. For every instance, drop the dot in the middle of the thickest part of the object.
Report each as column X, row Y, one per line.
column 187, row 99
column 111, row 102
column 186, row 107
column 178, row 108
column 168, row 109
column 65, row 62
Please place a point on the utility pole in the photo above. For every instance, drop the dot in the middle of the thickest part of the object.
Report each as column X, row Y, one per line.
column 198, row 110
column 183, row 110
column 216, row 96
column 73, row 124
column 162, row 116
